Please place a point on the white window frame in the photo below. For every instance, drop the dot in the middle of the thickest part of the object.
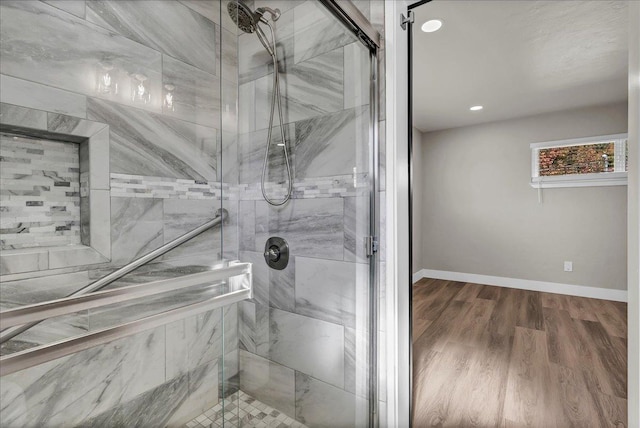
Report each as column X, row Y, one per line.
column 618, row 177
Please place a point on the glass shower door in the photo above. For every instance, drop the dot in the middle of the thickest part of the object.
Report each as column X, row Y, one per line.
column 111, row 119
column 304, row 337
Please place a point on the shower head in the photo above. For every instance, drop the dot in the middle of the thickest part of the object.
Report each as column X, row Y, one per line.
column 247, row 21
column 244, row 18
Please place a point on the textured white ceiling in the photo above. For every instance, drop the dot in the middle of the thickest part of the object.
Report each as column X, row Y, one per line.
column 516, row 58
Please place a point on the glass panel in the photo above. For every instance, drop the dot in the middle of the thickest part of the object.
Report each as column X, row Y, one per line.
column 138, row 92
column 303, row 338
column 167, row 108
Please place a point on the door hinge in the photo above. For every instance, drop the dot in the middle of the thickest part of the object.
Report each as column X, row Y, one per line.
column 409, row 19
column 371, row 244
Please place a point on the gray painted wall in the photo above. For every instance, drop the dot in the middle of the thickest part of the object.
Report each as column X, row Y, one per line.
column 481, row 216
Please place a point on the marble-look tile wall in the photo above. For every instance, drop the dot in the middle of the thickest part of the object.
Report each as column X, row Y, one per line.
column 304, row 335
column 54, row 55
column 40, row 190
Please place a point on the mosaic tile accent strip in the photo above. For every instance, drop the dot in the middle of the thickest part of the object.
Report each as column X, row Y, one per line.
column 39, row 192
column 242, row 410
column 137, row 186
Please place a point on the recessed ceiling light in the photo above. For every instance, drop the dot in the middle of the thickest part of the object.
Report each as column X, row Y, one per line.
column 476, row 108
column 431, row 25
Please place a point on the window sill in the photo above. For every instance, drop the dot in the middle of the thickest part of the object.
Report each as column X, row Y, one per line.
column 583, row 180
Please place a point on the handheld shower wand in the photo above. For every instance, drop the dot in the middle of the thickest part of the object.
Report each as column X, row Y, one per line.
column 248, row 21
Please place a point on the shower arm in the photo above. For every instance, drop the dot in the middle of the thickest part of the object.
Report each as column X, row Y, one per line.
column 275, row 13
column 221, row 215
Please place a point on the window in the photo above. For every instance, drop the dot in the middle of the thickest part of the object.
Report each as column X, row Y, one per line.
column 592, row 161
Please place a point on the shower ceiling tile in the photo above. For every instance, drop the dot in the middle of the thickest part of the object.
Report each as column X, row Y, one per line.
column 43, row 44
column 147, row 23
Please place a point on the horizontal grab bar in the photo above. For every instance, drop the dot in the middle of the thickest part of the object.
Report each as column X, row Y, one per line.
column 45, row 353
column 221, row 215
column 68, row 305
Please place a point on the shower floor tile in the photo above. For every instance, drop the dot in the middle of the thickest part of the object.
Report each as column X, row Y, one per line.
column 242, row 410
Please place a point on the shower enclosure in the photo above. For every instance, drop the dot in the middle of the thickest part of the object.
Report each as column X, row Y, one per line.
column 149, row 150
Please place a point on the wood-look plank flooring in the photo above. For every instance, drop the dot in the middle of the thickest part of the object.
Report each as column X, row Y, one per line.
column 487, row 356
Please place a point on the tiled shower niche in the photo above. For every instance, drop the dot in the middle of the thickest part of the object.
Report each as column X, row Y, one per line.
column 54, row 202
column 41, row 192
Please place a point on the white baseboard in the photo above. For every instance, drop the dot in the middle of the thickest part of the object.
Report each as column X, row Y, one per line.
column 525, row 284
